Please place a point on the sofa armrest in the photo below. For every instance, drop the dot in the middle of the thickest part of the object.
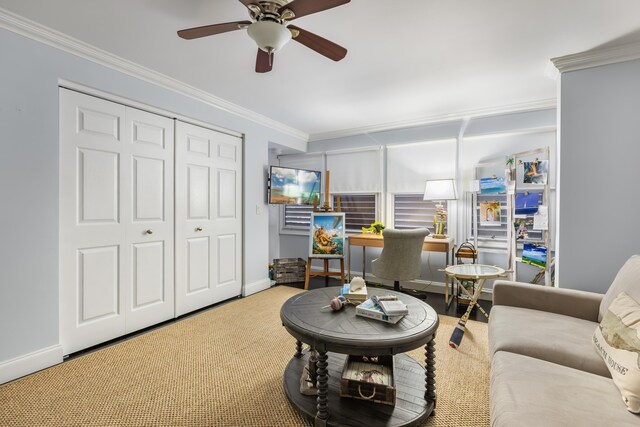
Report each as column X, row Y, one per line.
column 569, row 302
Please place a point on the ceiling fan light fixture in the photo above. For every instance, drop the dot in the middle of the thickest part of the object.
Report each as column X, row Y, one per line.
column 269, row 36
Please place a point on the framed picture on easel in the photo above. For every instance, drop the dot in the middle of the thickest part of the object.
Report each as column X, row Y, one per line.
column 326, row 235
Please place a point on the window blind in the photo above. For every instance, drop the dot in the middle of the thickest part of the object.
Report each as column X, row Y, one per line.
column 409, row 166
column 411, row 211
column 359, row 209
column 356, row 171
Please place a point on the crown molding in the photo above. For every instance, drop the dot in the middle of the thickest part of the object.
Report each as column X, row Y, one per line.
column 50, row 37
column 438, row 119
column 597, row 57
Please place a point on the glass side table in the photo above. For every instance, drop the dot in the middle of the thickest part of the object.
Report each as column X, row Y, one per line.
column 480, row 273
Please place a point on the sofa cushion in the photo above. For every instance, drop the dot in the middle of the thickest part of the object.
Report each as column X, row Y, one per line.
column 627, row 280
column 560, row 339
column 617, row 339
column 530, row 392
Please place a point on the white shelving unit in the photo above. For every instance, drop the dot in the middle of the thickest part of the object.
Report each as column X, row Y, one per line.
column 540, row 237
column 502, row 239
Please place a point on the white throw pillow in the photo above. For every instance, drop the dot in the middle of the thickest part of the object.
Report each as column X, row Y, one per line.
column 627, row 280
column 617, row 340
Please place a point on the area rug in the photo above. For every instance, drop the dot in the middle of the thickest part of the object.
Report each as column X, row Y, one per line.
column 221, row 367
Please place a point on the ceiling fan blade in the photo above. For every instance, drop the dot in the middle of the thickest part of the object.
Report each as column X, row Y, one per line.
column 210, row 30
column 264, row 63
column 307, row 7
column 248, row 2
column 319, row 44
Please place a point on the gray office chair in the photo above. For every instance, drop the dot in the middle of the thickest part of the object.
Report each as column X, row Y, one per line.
column 401, row 256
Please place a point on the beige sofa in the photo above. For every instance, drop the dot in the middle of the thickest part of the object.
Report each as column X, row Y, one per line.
column 544, row 368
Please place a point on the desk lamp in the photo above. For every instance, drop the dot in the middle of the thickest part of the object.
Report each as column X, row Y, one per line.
column 440, row 190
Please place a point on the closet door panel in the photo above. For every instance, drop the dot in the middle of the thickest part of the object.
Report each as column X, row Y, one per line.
column 227, row 259
column 98, row 186
column 198, row 190
column 194, row 223
column 116, row 220
column 92, row 231
column 208, row 217
column 148, row 187
column 148, row 274
column 149, row 238
column 98, row 284
column 199, row 268
column 227, row 194
column 228, row 216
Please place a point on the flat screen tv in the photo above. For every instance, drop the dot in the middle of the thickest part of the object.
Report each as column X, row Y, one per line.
column 293, row 186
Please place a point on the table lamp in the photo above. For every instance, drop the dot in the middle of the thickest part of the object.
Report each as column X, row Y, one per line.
column 440, row 190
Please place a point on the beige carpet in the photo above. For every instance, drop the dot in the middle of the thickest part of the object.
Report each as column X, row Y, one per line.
column 222, row 367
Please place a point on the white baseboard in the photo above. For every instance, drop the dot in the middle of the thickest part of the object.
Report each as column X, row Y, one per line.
column 252, row 288
column 30, row 363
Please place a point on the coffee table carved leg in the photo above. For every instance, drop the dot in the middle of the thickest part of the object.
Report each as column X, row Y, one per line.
column 298, row 353
column 323, row 389
column 430, row 371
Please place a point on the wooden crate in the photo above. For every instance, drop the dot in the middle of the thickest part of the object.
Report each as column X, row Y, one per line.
column 368, row 378
column 289, row 270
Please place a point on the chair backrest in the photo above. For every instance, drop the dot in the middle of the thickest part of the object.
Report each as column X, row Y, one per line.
column 401, row 256
column 466, row 251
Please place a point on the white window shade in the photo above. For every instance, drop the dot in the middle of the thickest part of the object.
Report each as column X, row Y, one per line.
column 312, row 162
column 409, row 166
column 356, row 171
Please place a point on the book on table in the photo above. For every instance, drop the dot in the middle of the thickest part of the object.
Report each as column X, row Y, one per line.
column 359, row 295
column 372, row 310
column 391, row 305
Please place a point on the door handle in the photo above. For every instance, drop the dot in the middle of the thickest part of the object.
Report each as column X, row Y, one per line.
column 148, row 231
column 198, row 228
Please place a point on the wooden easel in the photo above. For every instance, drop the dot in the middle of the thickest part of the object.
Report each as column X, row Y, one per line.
column 325, row 272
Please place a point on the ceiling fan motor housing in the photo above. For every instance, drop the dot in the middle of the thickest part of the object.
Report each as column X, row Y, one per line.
column 269, row 36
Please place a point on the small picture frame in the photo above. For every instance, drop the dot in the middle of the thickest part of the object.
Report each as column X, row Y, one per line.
column 326, row 235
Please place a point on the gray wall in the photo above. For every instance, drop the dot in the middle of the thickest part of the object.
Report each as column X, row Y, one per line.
column 599, row 154
column 29, row 180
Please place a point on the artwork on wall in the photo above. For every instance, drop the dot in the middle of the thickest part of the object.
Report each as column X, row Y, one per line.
column 535, row 254
column 535, row 172
column 521, row 226
column 490, row 213
column 326, row 235
column 527, row 203
column 493, row 185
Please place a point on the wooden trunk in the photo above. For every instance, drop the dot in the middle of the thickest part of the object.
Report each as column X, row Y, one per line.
column 369, row 378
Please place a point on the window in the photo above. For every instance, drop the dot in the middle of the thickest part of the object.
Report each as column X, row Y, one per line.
column 297, row 216
column 360, row 210
column 411, row 211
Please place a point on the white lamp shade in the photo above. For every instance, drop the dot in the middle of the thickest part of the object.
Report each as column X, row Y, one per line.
column 269, row 36
column 440, row 189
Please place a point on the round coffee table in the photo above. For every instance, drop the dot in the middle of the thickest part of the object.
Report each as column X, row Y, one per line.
column 343, row 333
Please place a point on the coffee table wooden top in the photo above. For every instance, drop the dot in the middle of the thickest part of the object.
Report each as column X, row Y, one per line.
column 344, row 332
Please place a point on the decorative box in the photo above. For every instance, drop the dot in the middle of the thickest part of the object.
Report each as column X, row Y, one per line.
column 369, row 378
column 289, row 270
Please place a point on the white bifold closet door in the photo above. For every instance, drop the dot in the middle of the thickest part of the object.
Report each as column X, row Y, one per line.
column 208, row 217
column 116, row 220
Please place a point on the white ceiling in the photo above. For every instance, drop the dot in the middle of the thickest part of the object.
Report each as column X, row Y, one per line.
column 407, row 60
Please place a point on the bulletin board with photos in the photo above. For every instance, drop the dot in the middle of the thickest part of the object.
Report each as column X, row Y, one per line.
column 510, row 200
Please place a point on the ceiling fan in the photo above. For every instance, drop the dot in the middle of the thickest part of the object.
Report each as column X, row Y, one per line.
column 270, row 30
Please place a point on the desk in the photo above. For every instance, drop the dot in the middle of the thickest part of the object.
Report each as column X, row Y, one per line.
column 431, row 244
column 333, row 334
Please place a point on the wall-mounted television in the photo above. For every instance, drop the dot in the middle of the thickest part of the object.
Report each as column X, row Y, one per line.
column 293, row 186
